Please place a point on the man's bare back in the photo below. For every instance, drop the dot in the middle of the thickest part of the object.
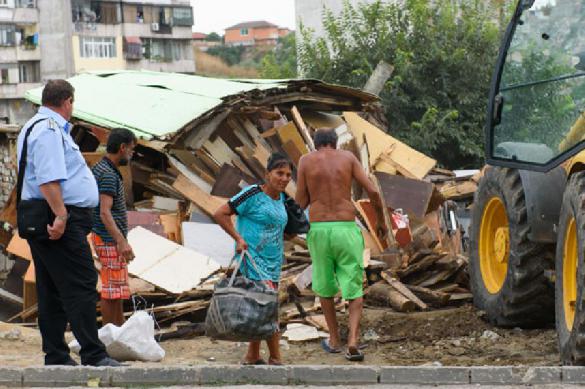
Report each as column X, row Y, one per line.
column 328, row 175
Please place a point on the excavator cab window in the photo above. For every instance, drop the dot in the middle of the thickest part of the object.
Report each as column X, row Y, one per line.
column 536, row 109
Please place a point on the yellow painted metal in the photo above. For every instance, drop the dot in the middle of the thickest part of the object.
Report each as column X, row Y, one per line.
column 576, row 161
column 570, row 256
column 494, row 245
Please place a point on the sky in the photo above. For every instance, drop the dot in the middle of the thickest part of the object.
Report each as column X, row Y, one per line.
column 216, row 15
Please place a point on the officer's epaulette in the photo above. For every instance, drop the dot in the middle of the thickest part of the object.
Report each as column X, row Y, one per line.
column 52, row 124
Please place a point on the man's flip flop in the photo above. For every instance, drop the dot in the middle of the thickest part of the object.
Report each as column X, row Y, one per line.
column 327, row 347
column 355, row 356
column 256, row 362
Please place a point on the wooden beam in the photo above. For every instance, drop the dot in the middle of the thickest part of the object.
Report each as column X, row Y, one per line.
column 206, row 202
column 297, row 118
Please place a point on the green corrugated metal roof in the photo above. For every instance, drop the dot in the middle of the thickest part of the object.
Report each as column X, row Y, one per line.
column 151, row 104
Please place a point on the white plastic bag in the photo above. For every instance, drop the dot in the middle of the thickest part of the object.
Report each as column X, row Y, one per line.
column 134, row 341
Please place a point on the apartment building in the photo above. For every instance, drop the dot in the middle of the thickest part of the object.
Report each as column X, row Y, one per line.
column 19, row 57
column 145, row 34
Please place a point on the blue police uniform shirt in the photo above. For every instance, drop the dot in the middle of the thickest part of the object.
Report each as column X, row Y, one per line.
column 53, row 155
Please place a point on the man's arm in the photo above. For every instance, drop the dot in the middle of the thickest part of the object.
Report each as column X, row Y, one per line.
column 124, row 249
column 51, row 191
column 302, row 196
column 360, row 176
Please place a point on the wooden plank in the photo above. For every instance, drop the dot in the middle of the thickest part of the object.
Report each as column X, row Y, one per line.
column 399, row 286
column 189, row 159
column 290, row 133
column 364, row 155
column 252, row 131
column 368, row 214
column 458, row 190
column 8, row 214
column 19, row 247
column 386, row 295
column 222, row 153
column 184, row 170
column 229, row 182
column 412, row 196
column 240, row 132
column 298, row 119
column 293, row 152
column 208, row 161
column 206, row 202
column 390, row 240
column 319, row 120
column 389, row 150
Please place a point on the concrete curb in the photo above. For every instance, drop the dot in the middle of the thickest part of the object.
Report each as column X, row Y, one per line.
column 291, row 375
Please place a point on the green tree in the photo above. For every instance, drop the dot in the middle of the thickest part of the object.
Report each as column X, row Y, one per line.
column 443, row 54
column 214, row 37
column 282, row 61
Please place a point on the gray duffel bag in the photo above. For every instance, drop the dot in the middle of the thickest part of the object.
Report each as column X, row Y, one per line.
column 242, row 309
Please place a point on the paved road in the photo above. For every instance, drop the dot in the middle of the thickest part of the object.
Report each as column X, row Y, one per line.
column 359, row 387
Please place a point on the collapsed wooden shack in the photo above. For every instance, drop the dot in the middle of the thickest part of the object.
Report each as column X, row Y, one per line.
column 202, row 140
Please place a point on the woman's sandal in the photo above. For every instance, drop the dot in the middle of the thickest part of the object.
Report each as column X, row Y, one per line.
column 355, row 355
column 256, row 362
column 327, row 347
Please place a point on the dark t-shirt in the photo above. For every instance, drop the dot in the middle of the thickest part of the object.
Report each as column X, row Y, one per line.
column 109, row 181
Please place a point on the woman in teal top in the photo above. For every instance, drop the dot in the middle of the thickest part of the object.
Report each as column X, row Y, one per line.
column 261, row 218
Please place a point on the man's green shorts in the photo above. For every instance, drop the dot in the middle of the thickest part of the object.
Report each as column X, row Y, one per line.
column 337, row 250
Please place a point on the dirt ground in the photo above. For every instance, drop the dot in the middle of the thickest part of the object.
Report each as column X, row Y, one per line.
column 455, row 336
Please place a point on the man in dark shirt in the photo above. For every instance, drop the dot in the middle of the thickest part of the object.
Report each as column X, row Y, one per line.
column 110, row 226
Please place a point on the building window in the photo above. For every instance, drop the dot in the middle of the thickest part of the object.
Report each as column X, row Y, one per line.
column 165, row 50
column 139, row 14
column 29, row 71
column 183, row 16
column 8, row 74
column 24, row 3
column 97, row 47
column 243, row 31
column 3, row 3
column 89, row 11
column 7, row 35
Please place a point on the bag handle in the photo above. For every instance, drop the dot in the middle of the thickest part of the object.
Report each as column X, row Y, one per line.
column 22, row 161
column 239, row 262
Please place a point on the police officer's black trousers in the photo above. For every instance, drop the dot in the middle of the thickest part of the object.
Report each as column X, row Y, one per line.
column 66, row 286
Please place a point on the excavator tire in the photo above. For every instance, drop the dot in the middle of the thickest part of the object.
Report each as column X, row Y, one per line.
column 570, row 273
column 507, row 270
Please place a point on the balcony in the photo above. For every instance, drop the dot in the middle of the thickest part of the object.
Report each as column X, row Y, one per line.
column 28, row 53
column 16, row 91
column 26, row 16
column 145, row 30
column 8, row 54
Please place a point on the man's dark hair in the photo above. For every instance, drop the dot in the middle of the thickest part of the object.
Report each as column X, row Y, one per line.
column 325, row 137
column 118, row 137
column 278, row 160
column 56, row 92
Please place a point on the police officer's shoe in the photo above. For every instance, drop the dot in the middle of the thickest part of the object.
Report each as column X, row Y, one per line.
column 107, row 361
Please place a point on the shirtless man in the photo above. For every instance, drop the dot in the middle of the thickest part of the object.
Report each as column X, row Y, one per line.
column 335, row 241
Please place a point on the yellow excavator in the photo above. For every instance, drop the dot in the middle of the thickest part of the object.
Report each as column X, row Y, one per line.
column 527, row 234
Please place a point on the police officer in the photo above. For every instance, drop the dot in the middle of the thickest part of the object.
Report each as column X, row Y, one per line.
column 65, row 274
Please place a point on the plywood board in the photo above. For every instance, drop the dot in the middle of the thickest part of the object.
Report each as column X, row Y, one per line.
column 19, row 247
column 367, row 212
column 290, row 133
column 190, row 174
column 293, row 152
column 208, row 203
column 229, row 182
column 166, row 264
column 319, row 120
column 387, row 150
column 209, row 240
column 412, row 196
column 298, row 120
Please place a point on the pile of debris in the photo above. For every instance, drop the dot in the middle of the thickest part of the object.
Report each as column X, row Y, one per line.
column 182, row 174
